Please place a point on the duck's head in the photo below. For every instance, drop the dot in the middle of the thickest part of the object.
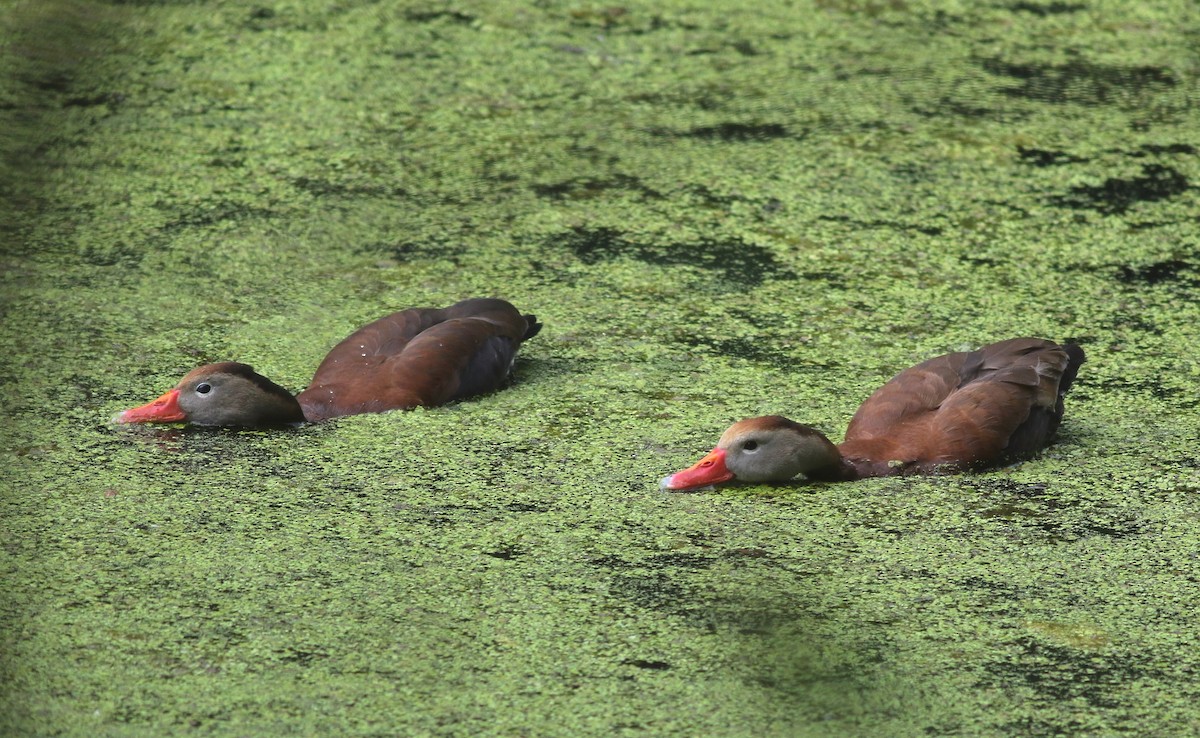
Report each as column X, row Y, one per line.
column 770, row 448
column 227, row 394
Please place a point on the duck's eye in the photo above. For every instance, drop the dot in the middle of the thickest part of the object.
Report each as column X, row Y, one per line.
column 203, row 388
column 750, row 446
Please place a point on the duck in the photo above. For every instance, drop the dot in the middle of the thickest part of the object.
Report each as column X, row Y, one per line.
column 420, row 357
column 961, row 411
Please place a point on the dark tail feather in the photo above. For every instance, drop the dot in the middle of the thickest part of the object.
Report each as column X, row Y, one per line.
column 1076, row 358
column 1041, row 425
column 533, row 327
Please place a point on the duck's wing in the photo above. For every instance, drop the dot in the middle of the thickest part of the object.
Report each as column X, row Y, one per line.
column 1010, row 401
column 967, row 409
column 420, row 356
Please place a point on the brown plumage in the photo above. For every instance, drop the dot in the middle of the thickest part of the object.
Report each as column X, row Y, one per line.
column 951, row 413
column 415, row 357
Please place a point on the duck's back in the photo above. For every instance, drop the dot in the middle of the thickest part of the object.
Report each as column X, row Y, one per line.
column 420, row 356
column 964, row 409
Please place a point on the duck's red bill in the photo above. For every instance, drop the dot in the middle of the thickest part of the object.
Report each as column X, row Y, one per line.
column 163, row 410
column 704, row 473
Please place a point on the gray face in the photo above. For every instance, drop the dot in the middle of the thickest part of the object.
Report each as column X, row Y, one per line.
column 771, row 450
column 761, row 456
column 210, row 401
column 236, row 399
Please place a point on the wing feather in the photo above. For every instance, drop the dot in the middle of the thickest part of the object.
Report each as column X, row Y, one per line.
column 420, row 356
column 967, row 409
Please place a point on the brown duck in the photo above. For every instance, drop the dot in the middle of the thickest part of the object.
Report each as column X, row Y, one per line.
column 415, row 357
column 955, row 412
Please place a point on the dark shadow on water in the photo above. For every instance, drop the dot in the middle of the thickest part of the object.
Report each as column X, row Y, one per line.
column 812, row 667
column 588, row 188
column 729, row 132
column 48, row 61
column 1081, row 82
column 733, row 259
column 1058, row 674
column 1047, row 158
column 928, row 230
column 1036, row 512
column 1116, row 195
column 1181, row 271
column 449, row 248
column 742, row 348
column 1043, row 10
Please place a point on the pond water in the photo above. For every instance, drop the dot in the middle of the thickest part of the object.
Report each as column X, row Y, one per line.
column 716, row 213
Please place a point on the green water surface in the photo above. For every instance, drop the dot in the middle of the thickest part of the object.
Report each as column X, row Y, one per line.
column 717, row 213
